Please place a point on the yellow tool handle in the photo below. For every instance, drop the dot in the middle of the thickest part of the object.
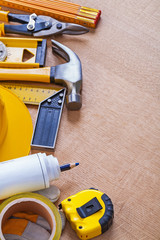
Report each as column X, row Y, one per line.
column 34, row 75
column 2, row 32
column 4, row 15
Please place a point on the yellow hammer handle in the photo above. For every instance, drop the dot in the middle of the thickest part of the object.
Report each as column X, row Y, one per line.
column 4, row 16
column 34, row 74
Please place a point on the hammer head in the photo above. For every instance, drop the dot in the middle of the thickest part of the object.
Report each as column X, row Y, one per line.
column 69, row 74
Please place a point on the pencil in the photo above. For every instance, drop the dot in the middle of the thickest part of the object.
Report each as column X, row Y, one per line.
column 68, row 166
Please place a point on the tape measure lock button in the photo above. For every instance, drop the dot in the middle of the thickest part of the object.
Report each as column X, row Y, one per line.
column 89, row 208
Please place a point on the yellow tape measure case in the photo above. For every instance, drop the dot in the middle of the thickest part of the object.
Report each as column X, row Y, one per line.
column 90, row 213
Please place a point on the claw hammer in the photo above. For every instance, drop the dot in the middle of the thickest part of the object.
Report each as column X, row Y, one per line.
column 67, row 74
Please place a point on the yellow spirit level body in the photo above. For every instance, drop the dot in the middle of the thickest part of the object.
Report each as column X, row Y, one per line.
column 23, row 52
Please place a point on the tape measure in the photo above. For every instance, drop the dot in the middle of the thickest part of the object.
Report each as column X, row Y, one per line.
column 90, row 213
column 30, row 94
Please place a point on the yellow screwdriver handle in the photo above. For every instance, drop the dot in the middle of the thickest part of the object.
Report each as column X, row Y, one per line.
column 34, row 74
column 4, row 15
column 2, row 32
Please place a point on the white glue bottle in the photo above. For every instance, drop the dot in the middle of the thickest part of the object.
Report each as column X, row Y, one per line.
column 27, row 174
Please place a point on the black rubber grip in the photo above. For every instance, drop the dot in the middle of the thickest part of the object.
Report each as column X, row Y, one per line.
column 89, row 208
column 22, row 29
column 107, row 219
column 20, row 18
column 41, row 52
column 52, row 74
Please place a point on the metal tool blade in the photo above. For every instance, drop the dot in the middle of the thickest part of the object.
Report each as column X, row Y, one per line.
column 47, row 123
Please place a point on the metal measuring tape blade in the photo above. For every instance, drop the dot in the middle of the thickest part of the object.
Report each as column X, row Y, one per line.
column 47, row 123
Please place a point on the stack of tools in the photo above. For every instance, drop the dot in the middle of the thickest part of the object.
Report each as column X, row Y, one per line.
column 68, row 74
column 61, row 10
column 49, row 115
column 24, row 60
column 28, row 215
column 37, row 26
column 25, row 215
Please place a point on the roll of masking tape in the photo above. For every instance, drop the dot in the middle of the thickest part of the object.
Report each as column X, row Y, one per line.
column 32, row 202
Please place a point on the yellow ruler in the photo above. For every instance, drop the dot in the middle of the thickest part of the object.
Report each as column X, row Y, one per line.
column 85, row 16
column 30, row 94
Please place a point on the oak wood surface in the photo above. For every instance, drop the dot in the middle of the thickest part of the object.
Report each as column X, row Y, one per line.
column 116, row 135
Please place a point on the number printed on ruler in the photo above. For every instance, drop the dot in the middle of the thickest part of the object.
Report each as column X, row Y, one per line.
column 30, row 94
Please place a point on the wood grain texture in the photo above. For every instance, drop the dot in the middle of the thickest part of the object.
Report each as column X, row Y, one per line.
column 116, row 134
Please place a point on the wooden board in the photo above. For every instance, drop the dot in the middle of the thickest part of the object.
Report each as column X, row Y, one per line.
column 116, row 134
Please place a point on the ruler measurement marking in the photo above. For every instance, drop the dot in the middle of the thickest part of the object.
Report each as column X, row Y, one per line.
column 57, row 14
column 30, row 94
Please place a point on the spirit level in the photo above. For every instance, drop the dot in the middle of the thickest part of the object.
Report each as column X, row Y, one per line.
column 23, row 52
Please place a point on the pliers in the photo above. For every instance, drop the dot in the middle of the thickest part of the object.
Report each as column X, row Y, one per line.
column 37, row 26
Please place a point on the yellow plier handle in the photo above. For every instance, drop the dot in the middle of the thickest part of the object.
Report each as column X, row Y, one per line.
column 3, row 15
column 2, row 32
column 3, row 18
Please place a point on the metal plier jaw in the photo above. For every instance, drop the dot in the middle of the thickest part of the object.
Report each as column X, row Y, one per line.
column 60, row 28
column 39, row 26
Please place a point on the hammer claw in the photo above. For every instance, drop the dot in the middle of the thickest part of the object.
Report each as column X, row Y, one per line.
column 69, row 74
column 60, row 53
